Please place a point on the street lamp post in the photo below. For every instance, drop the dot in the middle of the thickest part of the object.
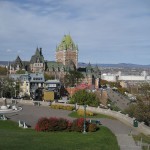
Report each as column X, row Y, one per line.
column 2, row 87
column 29, row 78
column 84, row 125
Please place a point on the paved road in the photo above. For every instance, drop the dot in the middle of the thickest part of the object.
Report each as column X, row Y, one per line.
column 121, row 101
column 30, row 114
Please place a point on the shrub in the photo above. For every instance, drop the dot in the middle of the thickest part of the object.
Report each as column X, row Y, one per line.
column 92, row 127
column 43, row 124
column 69, row 126
column 70, row 108
column 53, row 124
column 62, row 124
column 77, row 125
column 80, row 112
column 62, row 107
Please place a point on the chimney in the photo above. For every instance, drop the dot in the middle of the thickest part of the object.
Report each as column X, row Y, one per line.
column 40, row 51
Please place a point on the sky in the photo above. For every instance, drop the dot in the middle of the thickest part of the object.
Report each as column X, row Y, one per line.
column 106, row 31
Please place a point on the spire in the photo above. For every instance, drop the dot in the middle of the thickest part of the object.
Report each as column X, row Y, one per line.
column 37, row 52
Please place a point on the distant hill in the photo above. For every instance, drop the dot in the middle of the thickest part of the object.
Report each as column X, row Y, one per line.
column 4, row 63
column 82, row 64
column 120, row 65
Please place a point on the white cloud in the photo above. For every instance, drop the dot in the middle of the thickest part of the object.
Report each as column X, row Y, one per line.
column 8, row 50
column 99, row 28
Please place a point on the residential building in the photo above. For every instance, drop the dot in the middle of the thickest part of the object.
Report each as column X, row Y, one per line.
column 29, row 82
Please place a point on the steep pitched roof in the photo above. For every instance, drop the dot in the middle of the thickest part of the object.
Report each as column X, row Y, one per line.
column 37, row 56
column 67, row 43
column 54, row 66
column 18, row 61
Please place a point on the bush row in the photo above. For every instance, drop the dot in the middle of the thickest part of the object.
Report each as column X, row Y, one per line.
column 61, row 124
column 80, row 112
column 63, row 107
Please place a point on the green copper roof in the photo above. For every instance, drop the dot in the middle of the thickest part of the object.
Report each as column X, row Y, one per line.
column 51, row 65
column 67, row 44
column 38, row 56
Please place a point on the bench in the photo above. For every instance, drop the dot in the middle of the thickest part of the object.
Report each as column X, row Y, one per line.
column 36, row 103
column 22, row 124
column 3, row 117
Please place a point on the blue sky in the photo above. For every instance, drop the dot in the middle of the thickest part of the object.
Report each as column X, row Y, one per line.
column 106, row 31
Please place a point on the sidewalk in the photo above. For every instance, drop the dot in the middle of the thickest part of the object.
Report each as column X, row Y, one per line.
column 126, row 142
column 122, row 132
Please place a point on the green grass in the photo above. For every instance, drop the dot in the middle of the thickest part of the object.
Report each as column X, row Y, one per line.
column 12, row 137
column 75, row 115
column 145, row 139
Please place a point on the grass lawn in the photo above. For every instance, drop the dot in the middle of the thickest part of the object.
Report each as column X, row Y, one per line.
column 145, row 139
column 12, row 137
column 75, row 115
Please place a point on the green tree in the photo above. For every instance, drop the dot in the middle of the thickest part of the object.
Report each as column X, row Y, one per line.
column 104, row 82
column 73, row 78
column 8, row 87
column 20, row 72
column 141, row 110
column 48, row 77
column 84, row 97
column 3, row 70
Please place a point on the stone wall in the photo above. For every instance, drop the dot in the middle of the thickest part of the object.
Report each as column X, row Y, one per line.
column 123, row 118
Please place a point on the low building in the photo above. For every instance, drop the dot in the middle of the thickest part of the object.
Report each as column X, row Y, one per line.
column 28, row 82
column 52, row 85
column 120, row 77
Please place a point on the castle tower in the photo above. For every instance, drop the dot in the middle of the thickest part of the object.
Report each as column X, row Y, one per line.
column 67, row 52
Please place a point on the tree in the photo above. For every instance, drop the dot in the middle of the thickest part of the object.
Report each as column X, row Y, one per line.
column 73, row 78
column 104, row 82
column 3, row 70
column 8, row 87
column 144, row 92
column 141, row 110
column 48, row 77
column 20, row 72
column 84, row 97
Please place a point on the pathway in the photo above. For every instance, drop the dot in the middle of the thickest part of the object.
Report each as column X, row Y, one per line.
column 122, row 133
